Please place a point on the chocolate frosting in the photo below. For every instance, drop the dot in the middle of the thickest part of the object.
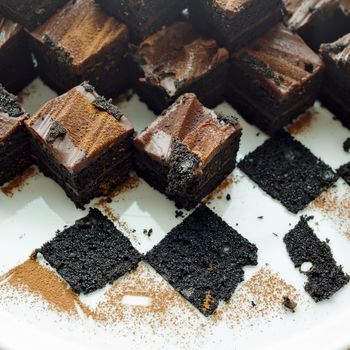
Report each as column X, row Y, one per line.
column 280, row 60
column 82, row 131
column 200, row 129
column 176, row 55
column 8, row 30
column 82, row 30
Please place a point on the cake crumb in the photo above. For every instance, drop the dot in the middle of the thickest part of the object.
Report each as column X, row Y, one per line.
column 289, row 303
column 19, row 182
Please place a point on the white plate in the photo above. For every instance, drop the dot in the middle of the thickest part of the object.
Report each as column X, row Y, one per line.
column 34, row 213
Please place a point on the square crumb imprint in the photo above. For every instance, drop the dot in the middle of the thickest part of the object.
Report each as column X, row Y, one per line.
column 203, row 259
column 235, row 22
column 176, row 60
column 83, row 142
column 274, row 79
column 325, row 277
column 90, row 254
column 80, row 42
column 288, row 171
column 187, row 151
column 14, row 141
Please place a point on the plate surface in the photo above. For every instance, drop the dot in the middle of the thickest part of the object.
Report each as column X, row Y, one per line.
column 30, row 216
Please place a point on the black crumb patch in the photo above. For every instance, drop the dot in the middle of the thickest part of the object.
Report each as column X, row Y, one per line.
column 9, row 104
column 344, row 172
column 179, row 214
column 346, row 145
column 325, row 277
column 148, row 233
column 106, row 105
column 91, row 253
column 56, row 130
column 289, row 303
column 288, row 171
column 87, row 87
column 203, row 259
column 228, row 119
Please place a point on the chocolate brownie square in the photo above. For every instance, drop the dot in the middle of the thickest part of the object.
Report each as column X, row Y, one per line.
column 29, row 13
column 144, row 17
column 336, row 86
column 16, row 63
column 235, row 22
column 203, row 259
column 325, row 277
column 288, row 171
column 90, row 254
column 83, row 142
column 14, row 141
column 176, row 60
column 274, row 79
column 187, row 151
column 80, row 42
column 317, row 21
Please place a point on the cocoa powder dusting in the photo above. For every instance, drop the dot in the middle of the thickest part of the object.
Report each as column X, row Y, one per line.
column 19, row 182
column 302, row 124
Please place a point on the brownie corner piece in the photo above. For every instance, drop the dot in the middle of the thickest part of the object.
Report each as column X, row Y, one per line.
column 83, row 142
column 325, row 277
column 234, row 23
column 176, row 60
column 80, row 42
column 90, row 254
column 274, row 79
column 288, row 171
column 187, row 151
column 203, row 259
column 14, row 141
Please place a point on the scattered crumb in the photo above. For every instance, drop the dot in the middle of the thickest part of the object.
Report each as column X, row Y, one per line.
column 302, row 123
column 218, row 193
column 148, row 233
column 179, row 214
column 19, row 182
column 289, row 304
column 228, row 197
column 260, row 217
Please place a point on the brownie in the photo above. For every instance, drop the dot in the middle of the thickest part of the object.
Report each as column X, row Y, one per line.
column 317, row 21
column 144, row 17
column 235, row 22
column 344, row 172
column 325, row 277
column 336, row 87
column 177, row 60
column 274, row 79
column 288, row 171
column 83, row 142
column 29, row 13
column 90, row 254
column 187, row 151
column 203, row 259
column 80, row 42
column 16, row 64
column 14, row 142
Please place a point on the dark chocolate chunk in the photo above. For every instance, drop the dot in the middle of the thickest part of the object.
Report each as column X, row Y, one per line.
column 344, row 172
column 106, row 105
column 288, row 171
column 325, row 277
column 203, row 259
column 91, row 253
column 56, row 130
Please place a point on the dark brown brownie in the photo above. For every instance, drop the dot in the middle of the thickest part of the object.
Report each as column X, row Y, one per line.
column 144, row 17
column 91, row 253
column 336, row 86
column 187, row 151
column 274, row 79
column 176, row 60
column 235, row 22
column 317, row 21
column 29, row 13
column 344, row 172
column 14, row 142
column 288, row 171
column 325, row 277
column 203, row 259
column 80, row 42
column 16, row 64
column 83, row 142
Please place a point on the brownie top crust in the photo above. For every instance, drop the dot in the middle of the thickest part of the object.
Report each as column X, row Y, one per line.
column 12, row 114
column 280, row 61
column 78, row 126
column 339, row 52
column 176, row 55
column 200, row 129
column 8, row 30
column 82, row 30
